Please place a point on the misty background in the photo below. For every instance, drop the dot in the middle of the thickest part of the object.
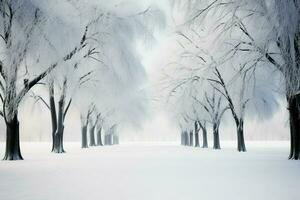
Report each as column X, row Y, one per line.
column 154, row 54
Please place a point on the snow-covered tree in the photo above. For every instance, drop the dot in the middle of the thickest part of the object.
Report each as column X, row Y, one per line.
column 22, row 67
column 273, row 42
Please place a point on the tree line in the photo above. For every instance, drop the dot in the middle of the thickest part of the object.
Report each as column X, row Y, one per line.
column 238, row 57
column 85, row 61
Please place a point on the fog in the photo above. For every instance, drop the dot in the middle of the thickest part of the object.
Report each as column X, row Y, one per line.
column 132, row 85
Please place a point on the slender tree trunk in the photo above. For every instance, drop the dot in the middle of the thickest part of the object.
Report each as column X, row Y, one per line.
column 12, row 150
column 53, row 113
column 191, row 138
column 92, row 136
column 184, row 138
column 204, row 136
column 84, row 140
column 294, row 112
column 197, row 139
column 216, row 136
column 99, row 139
column 240, row 136
column 196, row 135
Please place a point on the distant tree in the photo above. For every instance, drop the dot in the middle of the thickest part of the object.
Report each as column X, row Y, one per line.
column 202, row 124
column 215, row 111
column 95, row 124
column 196, row 131
column 85, row 119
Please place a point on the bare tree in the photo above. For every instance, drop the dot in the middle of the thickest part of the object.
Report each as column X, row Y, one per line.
column 213, row 107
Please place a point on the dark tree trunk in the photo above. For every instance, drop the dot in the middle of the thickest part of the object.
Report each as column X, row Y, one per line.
column 58, row 138
column 240, row 137
column 99, row 139
column 58, row 141
column 12, row 150
column 204, row 136
column 92, row 136
column 84, row 140
column 191, row 138
column 53, row 114
column 196, row 135
column 216, row 137
column 197, row 139
column 294, row 112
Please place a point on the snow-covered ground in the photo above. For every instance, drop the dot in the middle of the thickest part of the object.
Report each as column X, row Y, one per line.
column 151, row 171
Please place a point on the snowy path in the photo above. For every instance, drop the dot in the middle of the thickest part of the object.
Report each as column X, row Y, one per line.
column 152, row 172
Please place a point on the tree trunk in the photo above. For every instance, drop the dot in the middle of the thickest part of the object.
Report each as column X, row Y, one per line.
column 204, row 136
column 12, row 150
column 99, row 139
column 240, row 137
column 187, row 137
column 53, row 114
column 196, row 135
column 84, row 141
column 197, row 139
column 294, row 112
column 216, row 137
column 58, row 138
column 191, row 138
column 58, row 141
column 92, row 136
